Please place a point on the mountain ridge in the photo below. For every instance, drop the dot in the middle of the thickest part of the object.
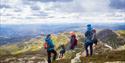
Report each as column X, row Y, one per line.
column 33, row 51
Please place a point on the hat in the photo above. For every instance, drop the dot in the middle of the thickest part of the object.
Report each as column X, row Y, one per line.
column 72, row 33
column 88, row 25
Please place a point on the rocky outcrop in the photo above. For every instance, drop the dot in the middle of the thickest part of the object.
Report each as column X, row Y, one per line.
column 102, row 48
column 26, row 59
column 111, row 38
column 76, row 59
column 104, row 34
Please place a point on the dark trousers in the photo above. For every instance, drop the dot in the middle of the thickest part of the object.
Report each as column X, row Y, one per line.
column 62, row 53
column 49, row 55
column 91, row 48
column 72, row 46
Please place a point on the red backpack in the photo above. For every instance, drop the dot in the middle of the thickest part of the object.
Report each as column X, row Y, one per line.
column 45, row 45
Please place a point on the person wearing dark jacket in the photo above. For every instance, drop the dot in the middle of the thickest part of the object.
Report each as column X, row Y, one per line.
column 50, row 48
column 88, row 40
column 62, row 51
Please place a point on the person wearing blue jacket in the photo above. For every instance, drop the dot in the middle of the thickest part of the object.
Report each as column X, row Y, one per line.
column 50, row 48
column 89, row 40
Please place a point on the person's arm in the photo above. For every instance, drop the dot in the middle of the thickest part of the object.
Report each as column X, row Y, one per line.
column 85, row 34
column 93, row 36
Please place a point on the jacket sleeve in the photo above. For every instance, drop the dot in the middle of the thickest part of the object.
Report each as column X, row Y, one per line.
column 85, row 34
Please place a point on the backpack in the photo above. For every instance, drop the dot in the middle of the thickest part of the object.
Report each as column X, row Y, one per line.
column 95, row 41
column 45, row 45
column 89, row 35
column 49, row 43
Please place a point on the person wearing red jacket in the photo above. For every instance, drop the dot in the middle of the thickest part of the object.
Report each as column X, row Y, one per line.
column 73, row 41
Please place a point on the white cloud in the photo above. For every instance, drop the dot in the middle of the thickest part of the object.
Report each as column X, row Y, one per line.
column 29, row 12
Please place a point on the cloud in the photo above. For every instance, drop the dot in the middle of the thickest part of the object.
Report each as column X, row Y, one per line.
column 59, row 10
column 40, row 13
column 82, row 6
column 35, row 7
column 4, row 6
column 118, row 4
column 52, row 0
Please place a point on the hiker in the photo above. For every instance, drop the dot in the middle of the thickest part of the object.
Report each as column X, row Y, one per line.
column 50, row 48
column 94, row 39
column 62, row 51
column 88, row 40
column 73, row 41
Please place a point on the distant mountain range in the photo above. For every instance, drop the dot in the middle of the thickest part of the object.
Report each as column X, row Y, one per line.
column 20, row 33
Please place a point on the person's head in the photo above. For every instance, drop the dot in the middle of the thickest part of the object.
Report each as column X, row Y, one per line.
column 48, row 36
column 89, row 27
column 72, row 33
column 62, row 46
column 94, row 30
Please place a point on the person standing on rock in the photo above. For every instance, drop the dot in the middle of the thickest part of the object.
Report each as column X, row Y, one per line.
column 73, row 41
column 94, row 39
column 50, row 48
column 89, row 40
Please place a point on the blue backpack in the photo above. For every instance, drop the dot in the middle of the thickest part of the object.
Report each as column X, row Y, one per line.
column 49, row 43
column 88, row 35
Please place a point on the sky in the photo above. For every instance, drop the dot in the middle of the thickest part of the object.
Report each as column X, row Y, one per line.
column 61, row 11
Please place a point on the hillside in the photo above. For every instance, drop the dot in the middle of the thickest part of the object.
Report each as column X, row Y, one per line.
column 32, row 51
column 112, row 38
column 110, row 57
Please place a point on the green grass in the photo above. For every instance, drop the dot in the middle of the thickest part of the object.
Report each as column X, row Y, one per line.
column 101, row 58
column 121, row 32
column 106, row 57
column 32, row 45
column 21, row 47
